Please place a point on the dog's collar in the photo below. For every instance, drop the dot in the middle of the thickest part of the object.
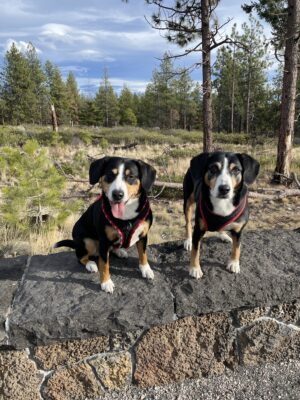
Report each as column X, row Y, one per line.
column 214, row 222
column 125, row 228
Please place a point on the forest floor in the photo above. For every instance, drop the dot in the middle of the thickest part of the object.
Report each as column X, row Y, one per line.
column 171, row 159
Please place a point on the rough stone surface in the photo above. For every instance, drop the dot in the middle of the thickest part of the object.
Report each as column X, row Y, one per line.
column 268, row 341
column 124, row 341
column 11, row 271
column 246, row 317
column 187, row 348
column 288, row 312
column 113, row 370
column 72, row 383
column 60, row 300
column 19, row 377
column 66, row 353
column 270, row 273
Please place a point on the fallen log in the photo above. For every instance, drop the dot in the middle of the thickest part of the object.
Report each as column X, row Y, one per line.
column 280, row 194
column 126, row 146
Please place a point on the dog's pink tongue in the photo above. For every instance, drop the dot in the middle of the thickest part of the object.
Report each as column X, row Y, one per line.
column 118, row 209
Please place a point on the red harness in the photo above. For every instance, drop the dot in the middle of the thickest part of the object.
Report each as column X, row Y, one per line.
column 125, row 228
column 214, row 222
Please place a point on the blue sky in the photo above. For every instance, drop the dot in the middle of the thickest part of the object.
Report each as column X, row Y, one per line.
column 84, row 36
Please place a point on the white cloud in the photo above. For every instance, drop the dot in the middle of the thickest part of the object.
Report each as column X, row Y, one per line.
column 20, row 45
column 92, row 84
column 66, row 34
column 74, row 68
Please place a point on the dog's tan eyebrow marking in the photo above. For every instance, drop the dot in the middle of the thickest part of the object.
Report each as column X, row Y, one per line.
column 127, row 172
column 231, row 166
column 114, row 171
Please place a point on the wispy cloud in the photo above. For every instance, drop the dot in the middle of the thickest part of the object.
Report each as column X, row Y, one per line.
column 90, row 85
column 20, row 45
column 85, row 36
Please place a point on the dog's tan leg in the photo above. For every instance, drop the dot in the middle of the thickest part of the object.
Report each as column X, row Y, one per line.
column 92, row 250
column 195, row 268
column 143, row 259
column 188, row 213
column 234, row 263
column 106, row 283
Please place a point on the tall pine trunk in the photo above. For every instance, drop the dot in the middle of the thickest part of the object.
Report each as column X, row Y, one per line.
column 232, row 91
column 288, row 97
column 206, row 73
column 54, row 119
column 248, row 101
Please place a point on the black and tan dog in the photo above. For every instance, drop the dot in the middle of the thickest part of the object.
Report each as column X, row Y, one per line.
column 217, row 183
column 119, row 218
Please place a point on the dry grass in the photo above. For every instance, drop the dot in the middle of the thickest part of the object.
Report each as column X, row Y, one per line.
column 171, row 162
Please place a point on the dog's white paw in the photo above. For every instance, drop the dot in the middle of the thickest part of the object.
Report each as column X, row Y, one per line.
column 146, row 271
column 233, row 266
column 187, row 244
column 196, row 272
column 225, row 237
column 91, row 266
column 121, row 253
column 108, row 286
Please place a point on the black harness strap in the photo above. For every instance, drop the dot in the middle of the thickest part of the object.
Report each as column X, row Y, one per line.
column 125, row 228
column 214, row 222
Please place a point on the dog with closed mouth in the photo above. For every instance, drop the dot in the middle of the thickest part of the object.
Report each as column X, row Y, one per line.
column 218, row 183
column 118, row 219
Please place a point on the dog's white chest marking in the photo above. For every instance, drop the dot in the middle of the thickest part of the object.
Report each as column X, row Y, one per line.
column 136, row 236
column 130, row 209
column 222, row 206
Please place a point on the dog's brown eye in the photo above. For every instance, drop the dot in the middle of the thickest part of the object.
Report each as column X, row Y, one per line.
column 131, row 179
column 213, row 169
column 235, row 170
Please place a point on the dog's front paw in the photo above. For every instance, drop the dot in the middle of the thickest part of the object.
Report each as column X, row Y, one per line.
column 187, row 244
column 195, row 272
column 146, row 271
column 108, row 286
column 121, row 253
column 91, row 266
column 233, row 266
column 225, row 237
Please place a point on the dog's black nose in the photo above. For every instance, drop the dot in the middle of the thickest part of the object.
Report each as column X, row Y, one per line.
column 118, row 195
column 224, row 189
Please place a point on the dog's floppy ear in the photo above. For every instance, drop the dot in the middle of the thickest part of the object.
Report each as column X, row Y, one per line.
column 97, row 169
column 250, row 167
column 197, row 166
column 147, row 174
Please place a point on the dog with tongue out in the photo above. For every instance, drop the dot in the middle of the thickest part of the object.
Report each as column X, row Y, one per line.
column 119, row 218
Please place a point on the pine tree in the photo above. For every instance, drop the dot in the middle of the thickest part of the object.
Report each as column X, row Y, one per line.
column 17, row 90
column 39, row 103
column 73, row 99
column 183, row 87
column 56, row 91
column 126, row 107
column 106, row 103
column 88, row 111
column 253, row 64
column 240, row 81
column 164, row 93
column 128, row 117
column 284, row 18
column 34, row 193
column 223, row 79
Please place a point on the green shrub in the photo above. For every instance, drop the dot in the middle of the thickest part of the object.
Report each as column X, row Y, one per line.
column 34, row 190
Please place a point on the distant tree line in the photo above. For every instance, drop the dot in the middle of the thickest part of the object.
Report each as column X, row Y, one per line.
column 243, row 98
